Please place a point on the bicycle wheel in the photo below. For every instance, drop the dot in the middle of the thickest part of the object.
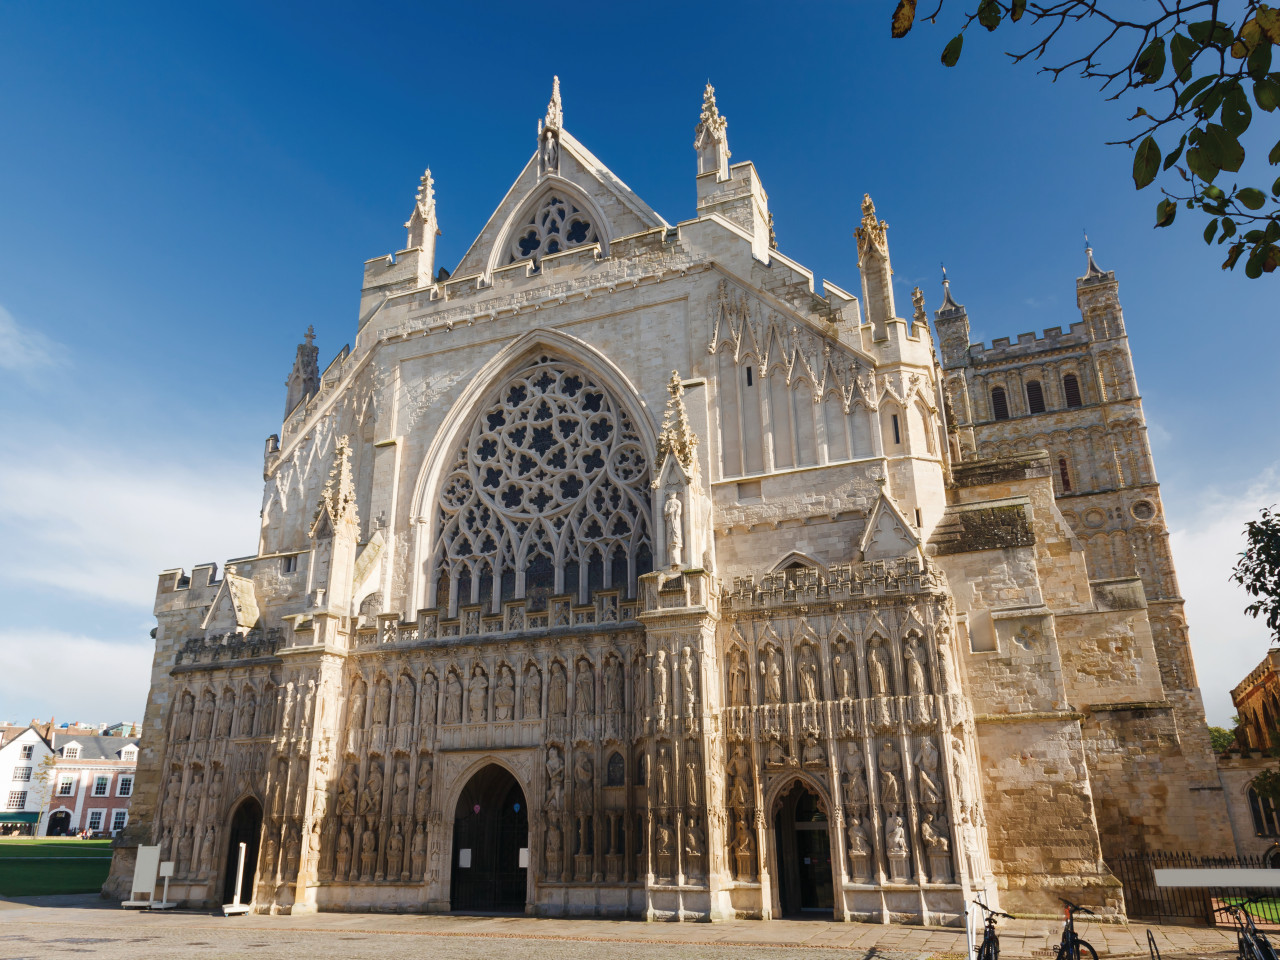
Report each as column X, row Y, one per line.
column 989, row 950
column 1085, row 949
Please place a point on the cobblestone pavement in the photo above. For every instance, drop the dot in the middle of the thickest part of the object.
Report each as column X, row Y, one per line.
column 86, row 926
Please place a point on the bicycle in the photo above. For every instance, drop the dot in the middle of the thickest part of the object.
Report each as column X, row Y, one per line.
column 1071, row 947
column 1251, row 944
column 989, row 949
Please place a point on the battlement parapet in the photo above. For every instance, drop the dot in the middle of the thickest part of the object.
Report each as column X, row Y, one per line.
column 1028, row 344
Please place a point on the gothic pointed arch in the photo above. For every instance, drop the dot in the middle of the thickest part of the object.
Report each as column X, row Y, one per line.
column 542, row 470
column 555, row 216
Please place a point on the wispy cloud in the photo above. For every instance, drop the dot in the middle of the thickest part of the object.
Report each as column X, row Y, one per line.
column 1226, row 643
column 62, row 674
column 23, row 350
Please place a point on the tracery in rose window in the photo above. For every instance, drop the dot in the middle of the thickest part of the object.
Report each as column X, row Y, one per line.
column 555, row 225
column 548, row 495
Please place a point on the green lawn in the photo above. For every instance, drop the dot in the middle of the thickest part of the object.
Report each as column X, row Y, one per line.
column 32, row 867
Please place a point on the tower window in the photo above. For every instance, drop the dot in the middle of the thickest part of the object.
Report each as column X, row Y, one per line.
column 1035, row 397
column 999, row 404
column 1065, row 474
column 748, row 376
column 1071, row 389
column 897, row 434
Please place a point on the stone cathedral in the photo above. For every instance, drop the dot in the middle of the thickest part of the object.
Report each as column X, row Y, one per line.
column 625, row 571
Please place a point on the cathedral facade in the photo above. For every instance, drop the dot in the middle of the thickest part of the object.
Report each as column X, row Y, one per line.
column 626, row 572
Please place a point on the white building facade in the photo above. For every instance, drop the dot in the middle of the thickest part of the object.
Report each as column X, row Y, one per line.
column 26, row 764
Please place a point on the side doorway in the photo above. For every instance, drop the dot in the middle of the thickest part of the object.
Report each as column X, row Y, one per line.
column 246, row 828
column 803, row 854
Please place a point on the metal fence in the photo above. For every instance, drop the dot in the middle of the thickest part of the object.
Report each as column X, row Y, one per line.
column 1190, row 905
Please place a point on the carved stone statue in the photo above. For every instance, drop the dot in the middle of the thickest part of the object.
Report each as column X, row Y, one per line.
column 858, row 844
column 584, row 690
column 400, row 790
column 368, row 853
column 855, row 779
column 555, row 848
column 422, row 793
column 933, row 838
column 248, row 706
column 344, row 854
column 504, row 694
column 808, row 670
column 878, row 671
column 584, row 785
column 347, row 791
column 555, row 779
column 478, row 695
column 842, row 664
column 738, row 695
column 292, row 852
column 453, row 698
column 172, row 793
column 662, row 771
column 946, row 666
column 205, row 725
column 927, row 773
column 739, row 778
column 664, row 839
column 813, row 751
column 206, row 853
column 226, row 716
column 213, row 809
column 613, row 683
column 395, row 852
column 430, row 691
column 404, row 701
column 371, row 800
column 916, row 686
column 688, row 680
column 355, row 714
column 895, row 836
column 692, row 776
column 671, row 512
column 382, row 701
column 890, row 777
column 185, row 844
column 694, row 845
column 418, row 854
column 532, row 709
column 771, row 670
column 182, row 725
column 557, row 693
column 775, row 753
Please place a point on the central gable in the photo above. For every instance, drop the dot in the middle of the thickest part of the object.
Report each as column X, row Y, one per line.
column 574, row 200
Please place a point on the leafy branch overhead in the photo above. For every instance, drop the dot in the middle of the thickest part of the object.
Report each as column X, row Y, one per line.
column 1258, row 569
column 1201, row 70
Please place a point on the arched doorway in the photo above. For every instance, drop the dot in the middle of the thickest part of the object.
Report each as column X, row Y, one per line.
column 804, row 853
column 59, row 824
column 246, row 828
column 490, row 844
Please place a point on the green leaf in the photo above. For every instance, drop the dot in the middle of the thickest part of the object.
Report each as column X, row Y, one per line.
column 1275, row 188
column 1253, row 266
column 1210, row 230
column 1236, row 112
column 1232, row 256
column 1272, row 233
column 1251, row 198
column 1193, row 88
column 1274, row 156
column 903, row 17
column 989, row 14
column 1266, row 94
column 1172, row 158
column 1182, row 48
column 1017, row 9
column 1228, row 154
column 1146, row 162
column 1259, row 61
column 1202, row 164
column 1151, row 62
column 1214, row 193
column 1211, row 31
column 1166, row 210
column 1228, row 228
column 951, row 53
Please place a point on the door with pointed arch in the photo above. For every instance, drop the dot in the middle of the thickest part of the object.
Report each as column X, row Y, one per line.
column 489, row 872
column 803, row 838
column 246, row 828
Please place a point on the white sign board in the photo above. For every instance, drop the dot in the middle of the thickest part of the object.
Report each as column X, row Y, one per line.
column 145, row 869
column 524, row 856
column 1218, row 877
column 166, row 869
column 464, row 857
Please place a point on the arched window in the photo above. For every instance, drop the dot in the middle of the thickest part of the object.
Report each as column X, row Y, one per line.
column 1065, row 473
column 999, row 404
column 555, row 225
column 1035, row 397
column 1071, row 390
column 1266, row 820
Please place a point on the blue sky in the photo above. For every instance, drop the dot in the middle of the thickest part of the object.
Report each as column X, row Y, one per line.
column 184, row 188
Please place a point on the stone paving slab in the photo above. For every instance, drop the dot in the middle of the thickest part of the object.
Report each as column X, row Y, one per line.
column 87, row 926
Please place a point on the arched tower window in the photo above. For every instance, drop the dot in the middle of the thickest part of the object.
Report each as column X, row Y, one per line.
column 1071, row 390
column 550, row 486
column 999, row 404
column 1035, row 397
column 556, row 224
column 1065, row 473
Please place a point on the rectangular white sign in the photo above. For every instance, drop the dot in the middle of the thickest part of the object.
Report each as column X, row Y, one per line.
column 1217, row 877
column 524, row 856
column 464, row 857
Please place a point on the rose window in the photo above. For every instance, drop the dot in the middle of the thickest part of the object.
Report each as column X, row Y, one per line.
column 549, row 494
column 556, row 225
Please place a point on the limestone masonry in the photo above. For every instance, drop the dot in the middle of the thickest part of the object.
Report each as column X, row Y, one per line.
column 845, row 614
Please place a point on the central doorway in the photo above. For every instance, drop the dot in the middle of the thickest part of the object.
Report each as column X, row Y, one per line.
column 59, row 824
column 246, row 828
column 490, row 845
column 804, row 854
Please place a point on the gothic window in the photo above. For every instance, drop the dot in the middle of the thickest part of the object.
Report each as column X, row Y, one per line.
column 1065, row 474
column 999, row 404
column 1035, row 397
column 1071, row 389
column 615, row 771
column 548, row 495
column 556, row 225
column 1266, row 820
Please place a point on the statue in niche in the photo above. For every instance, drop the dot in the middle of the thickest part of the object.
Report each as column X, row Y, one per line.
column 964, row 790
column 584, row 781
column 368, row 853
column 453, row 698
column 557, row 693
column 226, row 716
column 418, row 854
column 739, row 778
column 738, row 696
column 206, row 852
column 638, row 700
column 166, row 844
column 927, row 773
column 694, row 845
column 213, row 809
column 946, row 667
column 504, row 694
column 195, row 790
column 742, row 848
column 382, row 701
column 661, row 678
column 890, row 777
column 532, row 692
column 550, row 152
column 688, row 681
column 843, row 664
column 555, row 779
column 776, row 753
column 662, row 768
column 371, row 801
column 355, row 714
column 855, row 779
column 268, row 867
column 878, row 671
column 404, row 701
column 292, row 852
column 895, row 836
column 613, row 682
column 664, row 839
column 916, row 686
column 169, row 812
column 185, row 844
column 281, row 781
column 284, row 710
column 344, row 853
column 422, row 793
column 182, row 726
column 395, row 852
column 771, row 670
column 584, row 690
column 813, row 751
column 430, row 691
column 671, row 512
column 400, row 790
column 934, row 838
column 205, row 725
column 808, row 670
column 247, row 707
column 859, row 846
column 555, row 848
column 347, row 791
column 691, row 775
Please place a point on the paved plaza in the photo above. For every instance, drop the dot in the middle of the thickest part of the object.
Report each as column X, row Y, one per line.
column 87, row 926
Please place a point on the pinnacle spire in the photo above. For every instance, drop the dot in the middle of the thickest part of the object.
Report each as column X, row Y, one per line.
column 1092, row 270
column 710, row 137
column 677, row 436
column 948, row 303
column 555, row 109
column 422, row 222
